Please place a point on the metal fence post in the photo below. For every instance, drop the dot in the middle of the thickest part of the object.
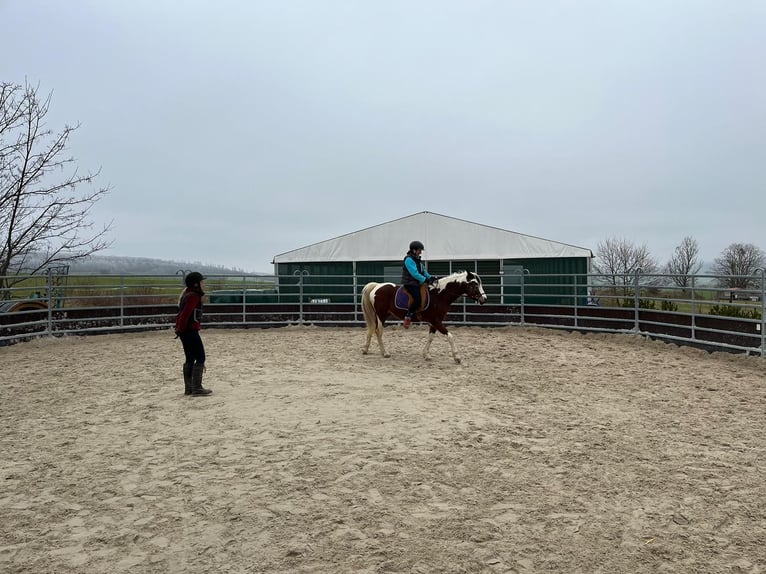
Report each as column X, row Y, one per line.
column 355, row 287
column 49, row 284
column 694, row 309
column 574, row 293
column 244, row 299
column 636, row 299
column 521, row 312
column 763, row 315
column 300, row 274
column 122, row 301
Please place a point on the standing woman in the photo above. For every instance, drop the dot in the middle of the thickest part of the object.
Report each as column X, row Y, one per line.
column 187, row 329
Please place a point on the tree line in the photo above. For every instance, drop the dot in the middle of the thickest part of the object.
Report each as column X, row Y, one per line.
column 618, row 259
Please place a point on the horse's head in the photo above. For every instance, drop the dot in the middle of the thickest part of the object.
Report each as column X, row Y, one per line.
column 474, row 289
column 467, row 282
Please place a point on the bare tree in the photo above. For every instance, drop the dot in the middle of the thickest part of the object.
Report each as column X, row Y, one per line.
column 45, row 202
column 684, row 262
column 617, row 261
column 739, row 261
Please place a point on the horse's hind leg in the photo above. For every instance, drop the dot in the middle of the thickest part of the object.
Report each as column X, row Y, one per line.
column 370, row 318
column 377, row 329
column 379, row 334
column 371, row 328
column 366, row 347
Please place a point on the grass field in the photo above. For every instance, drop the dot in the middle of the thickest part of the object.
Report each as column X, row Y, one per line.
column 98, row 289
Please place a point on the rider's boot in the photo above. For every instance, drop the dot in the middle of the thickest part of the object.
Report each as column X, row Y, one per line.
column 197, row 389
column 188, row 378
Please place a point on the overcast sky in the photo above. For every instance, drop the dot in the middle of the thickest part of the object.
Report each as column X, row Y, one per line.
column 235, row 130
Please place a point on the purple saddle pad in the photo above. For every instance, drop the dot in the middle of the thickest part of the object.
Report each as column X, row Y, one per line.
column 402, row 299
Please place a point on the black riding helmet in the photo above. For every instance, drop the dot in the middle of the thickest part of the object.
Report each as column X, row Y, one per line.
column 416, row 245
column 193, row 278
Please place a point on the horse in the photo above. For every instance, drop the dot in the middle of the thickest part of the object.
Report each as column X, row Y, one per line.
column 378, row 303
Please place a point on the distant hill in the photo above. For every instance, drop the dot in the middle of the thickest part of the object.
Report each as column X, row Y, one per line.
column 114, row 265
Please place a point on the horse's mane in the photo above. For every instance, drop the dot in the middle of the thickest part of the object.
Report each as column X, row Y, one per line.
column 462, row 274
column 457, row 276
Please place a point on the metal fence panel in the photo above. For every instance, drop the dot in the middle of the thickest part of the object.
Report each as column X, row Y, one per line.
column 702, row 312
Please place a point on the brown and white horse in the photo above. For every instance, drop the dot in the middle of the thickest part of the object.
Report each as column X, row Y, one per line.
column 378, row 303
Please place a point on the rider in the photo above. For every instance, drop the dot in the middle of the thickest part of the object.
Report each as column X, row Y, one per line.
column 413, row 276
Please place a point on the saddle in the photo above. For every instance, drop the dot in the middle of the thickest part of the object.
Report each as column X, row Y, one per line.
column 403, row 299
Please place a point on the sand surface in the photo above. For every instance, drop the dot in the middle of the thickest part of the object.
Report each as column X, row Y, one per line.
column 543, row 451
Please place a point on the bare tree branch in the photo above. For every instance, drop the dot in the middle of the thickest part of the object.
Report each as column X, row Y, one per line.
column 44, row 211
column 739, row 261
column 617, row 261
column 684, row 262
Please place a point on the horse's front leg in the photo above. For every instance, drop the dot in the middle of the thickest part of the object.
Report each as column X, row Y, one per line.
column 432, row 333
column 451, row 341
column 429, row 340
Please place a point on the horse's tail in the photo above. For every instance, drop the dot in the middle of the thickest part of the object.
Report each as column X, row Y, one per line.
column 368, row 308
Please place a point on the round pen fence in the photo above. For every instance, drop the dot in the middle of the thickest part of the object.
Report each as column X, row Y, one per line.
column 704, row 312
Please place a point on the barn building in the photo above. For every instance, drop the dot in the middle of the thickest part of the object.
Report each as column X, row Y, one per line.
column 499, row 256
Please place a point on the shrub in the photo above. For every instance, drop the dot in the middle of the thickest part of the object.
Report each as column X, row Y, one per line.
column 734, row 311
column 669, row 306
column 642, row 303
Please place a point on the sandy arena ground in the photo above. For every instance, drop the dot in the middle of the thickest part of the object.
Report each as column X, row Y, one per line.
column 543, row 452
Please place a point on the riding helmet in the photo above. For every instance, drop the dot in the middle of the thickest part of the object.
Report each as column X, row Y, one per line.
column 416, row 245
column 193, row 278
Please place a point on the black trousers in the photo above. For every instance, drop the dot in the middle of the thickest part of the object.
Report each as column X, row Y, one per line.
column 413, row 290
column 194, row 349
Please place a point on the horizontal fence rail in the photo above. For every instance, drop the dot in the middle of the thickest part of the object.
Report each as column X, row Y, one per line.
column 696, row 310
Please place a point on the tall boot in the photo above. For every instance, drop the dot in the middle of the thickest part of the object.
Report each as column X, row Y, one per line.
column 197, row 389
column 188, row 378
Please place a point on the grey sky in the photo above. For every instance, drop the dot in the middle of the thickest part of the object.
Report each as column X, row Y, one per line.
column 236, row 130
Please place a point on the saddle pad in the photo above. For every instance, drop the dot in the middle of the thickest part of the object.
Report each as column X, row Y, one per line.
column 402, row 299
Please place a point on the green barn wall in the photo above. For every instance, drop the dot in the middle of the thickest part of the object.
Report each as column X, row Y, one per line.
column 315, row 281
column 547, row 279
column 552, row 277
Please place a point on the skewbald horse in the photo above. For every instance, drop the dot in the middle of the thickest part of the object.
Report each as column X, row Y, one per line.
column 378, row 304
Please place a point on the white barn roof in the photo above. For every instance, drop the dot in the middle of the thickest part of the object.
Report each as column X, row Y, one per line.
column 445, row 239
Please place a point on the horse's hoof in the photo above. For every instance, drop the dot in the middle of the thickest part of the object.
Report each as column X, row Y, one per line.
column 457, row 360
column 364, row 351
column 387, row 355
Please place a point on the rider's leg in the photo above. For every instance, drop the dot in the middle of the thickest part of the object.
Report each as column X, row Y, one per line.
column 415, row 292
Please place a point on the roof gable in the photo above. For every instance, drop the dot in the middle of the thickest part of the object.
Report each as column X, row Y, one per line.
column 445, row 239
